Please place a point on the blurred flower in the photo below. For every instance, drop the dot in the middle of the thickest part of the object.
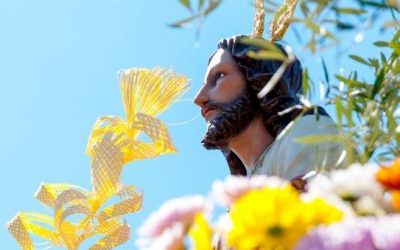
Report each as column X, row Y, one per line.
column 389, row 176
column 275, row 218
column 354, row 188
column 166, row 228
column 386, row 231
column 395, row 196
column 221, row 228
column 346, row 235
column 228, row 191
column 355, row 233
column 201, row 233
column 171, row 239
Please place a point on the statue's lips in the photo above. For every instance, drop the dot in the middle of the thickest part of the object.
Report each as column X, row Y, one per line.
column 205, row 109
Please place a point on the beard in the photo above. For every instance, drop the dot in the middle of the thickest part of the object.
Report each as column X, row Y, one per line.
column 231, row 121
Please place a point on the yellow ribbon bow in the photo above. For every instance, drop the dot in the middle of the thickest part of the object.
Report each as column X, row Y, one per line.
column 112, row 144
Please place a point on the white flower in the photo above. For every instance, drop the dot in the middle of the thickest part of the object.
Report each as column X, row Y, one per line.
column 352, row 188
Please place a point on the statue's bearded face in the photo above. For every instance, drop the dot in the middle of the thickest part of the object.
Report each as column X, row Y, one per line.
column 225, row 102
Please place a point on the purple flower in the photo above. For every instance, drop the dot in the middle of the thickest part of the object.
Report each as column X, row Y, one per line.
column 355, row 233
column 346, row 235
column 386, row 232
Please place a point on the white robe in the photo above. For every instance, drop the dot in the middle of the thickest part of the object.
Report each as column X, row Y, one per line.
column 288, row 159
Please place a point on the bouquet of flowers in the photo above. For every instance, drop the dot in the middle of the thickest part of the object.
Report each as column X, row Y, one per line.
column 353, row 208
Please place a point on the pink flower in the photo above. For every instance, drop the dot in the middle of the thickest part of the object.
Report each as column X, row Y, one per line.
column 170, row 239
column 228, row 191
column 166, row 228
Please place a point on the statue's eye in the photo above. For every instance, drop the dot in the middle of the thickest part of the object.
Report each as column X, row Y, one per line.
column 219, row 75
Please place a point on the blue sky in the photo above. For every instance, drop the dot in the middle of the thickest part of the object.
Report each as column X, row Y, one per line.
column 58, row 73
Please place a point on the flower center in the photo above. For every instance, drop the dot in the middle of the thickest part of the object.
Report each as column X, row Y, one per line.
column 275, row 230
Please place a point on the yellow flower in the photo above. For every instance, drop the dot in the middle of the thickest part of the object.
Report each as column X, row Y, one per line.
column 276, row 218
column 201, row 233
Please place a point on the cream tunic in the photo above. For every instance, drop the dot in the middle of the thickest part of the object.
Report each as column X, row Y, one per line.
column 288, row 159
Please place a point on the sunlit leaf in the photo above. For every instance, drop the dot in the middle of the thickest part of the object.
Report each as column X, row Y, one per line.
column 359, row 59
column 304, row 9
column 349, row 11
column 378, row 83
column 380, row 4
column 391, row 24
column 325, row 71
column 266, row 55
column 306, row 83
column 344, row 26
column 183, row 22
column 186, row 3
column 315, row 139
column 200, row 5
column 262, row 44
column 381, row 44
column 213, row 5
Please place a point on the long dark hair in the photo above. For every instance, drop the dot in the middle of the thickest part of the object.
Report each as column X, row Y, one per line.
column 282, row 96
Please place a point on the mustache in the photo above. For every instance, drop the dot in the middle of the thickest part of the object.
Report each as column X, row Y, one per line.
column 215, row 105
column 221, row 105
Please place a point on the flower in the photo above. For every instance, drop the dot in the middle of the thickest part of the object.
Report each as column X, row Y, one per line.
column 395, row 195
column 355, row 233
column 352, row 189
column 171, row 239
column 166, row 228
column 275, row 217
column 389, row 177
column 385, row 231
column 201, row 233
column 347, row 235
column 228, row 191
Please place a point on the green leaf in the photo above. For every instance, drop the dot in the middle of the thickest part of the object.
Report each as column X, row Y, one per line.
column 260, row 43
column 349, row 11
column 186, row 3
column 378, row 83
column 391, row 24
column 374, row 62
column 213, row 5
column 266, row 55
column 381, row 44
column 325, row 71
column 315, row 28
column 304, row 8
column 383, row 58
column 183, row 22
column 374, row 3
column 315, row 139
column 200, row 5
column 306, row 83
column 339, row 111
column 344, row 26
column 359, row 59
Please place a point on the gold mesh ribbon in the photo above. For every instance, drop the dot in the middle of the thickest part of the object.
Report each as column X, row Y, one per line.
column 112, row 144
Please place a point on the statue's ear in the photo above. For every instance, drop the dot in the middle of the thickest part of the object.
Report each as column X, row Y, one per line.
column 236, row 167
